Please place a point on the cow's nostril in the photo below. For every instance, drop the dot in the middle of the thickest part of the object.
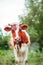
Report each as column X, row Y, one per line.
column 18, row 39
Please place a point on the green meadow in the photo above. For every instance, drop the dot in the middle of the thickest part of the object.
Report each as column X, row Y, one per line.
column 7, row 58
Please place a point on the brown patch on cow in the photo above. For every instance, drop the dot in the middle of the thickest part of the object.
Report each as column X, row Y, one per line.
column 13, row 34
column 23, row 36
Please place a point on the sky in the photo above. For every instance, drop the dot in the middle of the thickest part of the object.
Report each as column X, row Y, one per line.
column 9, row 11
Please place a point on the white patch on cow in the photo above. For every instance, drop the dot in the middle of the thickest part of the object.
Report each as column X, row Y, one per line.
column 17, row 30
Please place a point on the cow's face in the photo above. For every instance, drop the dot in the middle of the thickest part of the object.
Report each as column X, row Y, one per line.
column 17, row 32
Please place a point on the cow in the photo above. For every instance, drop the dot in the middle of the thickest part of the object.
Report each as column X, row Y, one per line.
column 20, row 42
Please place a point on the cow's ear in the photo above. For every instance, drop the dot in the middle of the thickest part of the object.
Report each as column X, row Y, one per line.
column 7, row 29
column 24, row 27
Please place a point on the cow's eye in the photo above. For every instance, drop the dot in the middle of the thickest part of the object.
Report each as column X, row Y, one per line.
column 13, row 30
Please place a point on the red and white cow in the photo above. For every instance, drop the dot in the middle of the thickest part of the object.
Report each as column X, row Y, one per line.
column 20, row 42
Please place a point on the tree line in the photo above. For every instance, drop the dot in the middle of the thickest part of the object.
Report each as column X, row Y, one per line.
column 33, row 17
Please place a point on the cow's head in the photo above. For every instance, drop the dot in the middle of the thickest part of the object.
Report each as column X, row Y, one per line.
column 17, row 31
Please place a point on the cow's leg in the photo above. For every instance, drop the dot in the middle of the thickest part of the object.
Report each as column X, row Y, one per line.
column 16, row 63
column 26, row 56
column 26, row 62
column 24, row 50
column 16, row 57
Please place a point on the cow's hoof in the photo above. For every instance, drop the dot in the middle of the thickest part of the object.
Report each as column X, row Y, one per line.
column 26, row 62
column 17, row 62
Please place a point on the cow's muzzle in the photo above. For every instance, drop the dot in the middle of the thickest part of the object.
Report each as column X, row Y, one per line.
column 18, row 40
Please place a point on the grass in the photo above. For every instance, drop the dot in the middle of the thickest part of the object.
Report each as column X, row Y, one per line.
column 35, row 58
column 7, row 58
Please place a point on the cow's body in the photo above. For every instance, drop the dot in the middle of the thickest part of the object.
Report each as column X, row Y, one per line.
column 20, row 43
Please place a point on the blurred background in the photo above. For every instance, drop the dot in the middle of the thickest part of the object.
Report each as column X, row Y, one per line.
column 28, row 12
